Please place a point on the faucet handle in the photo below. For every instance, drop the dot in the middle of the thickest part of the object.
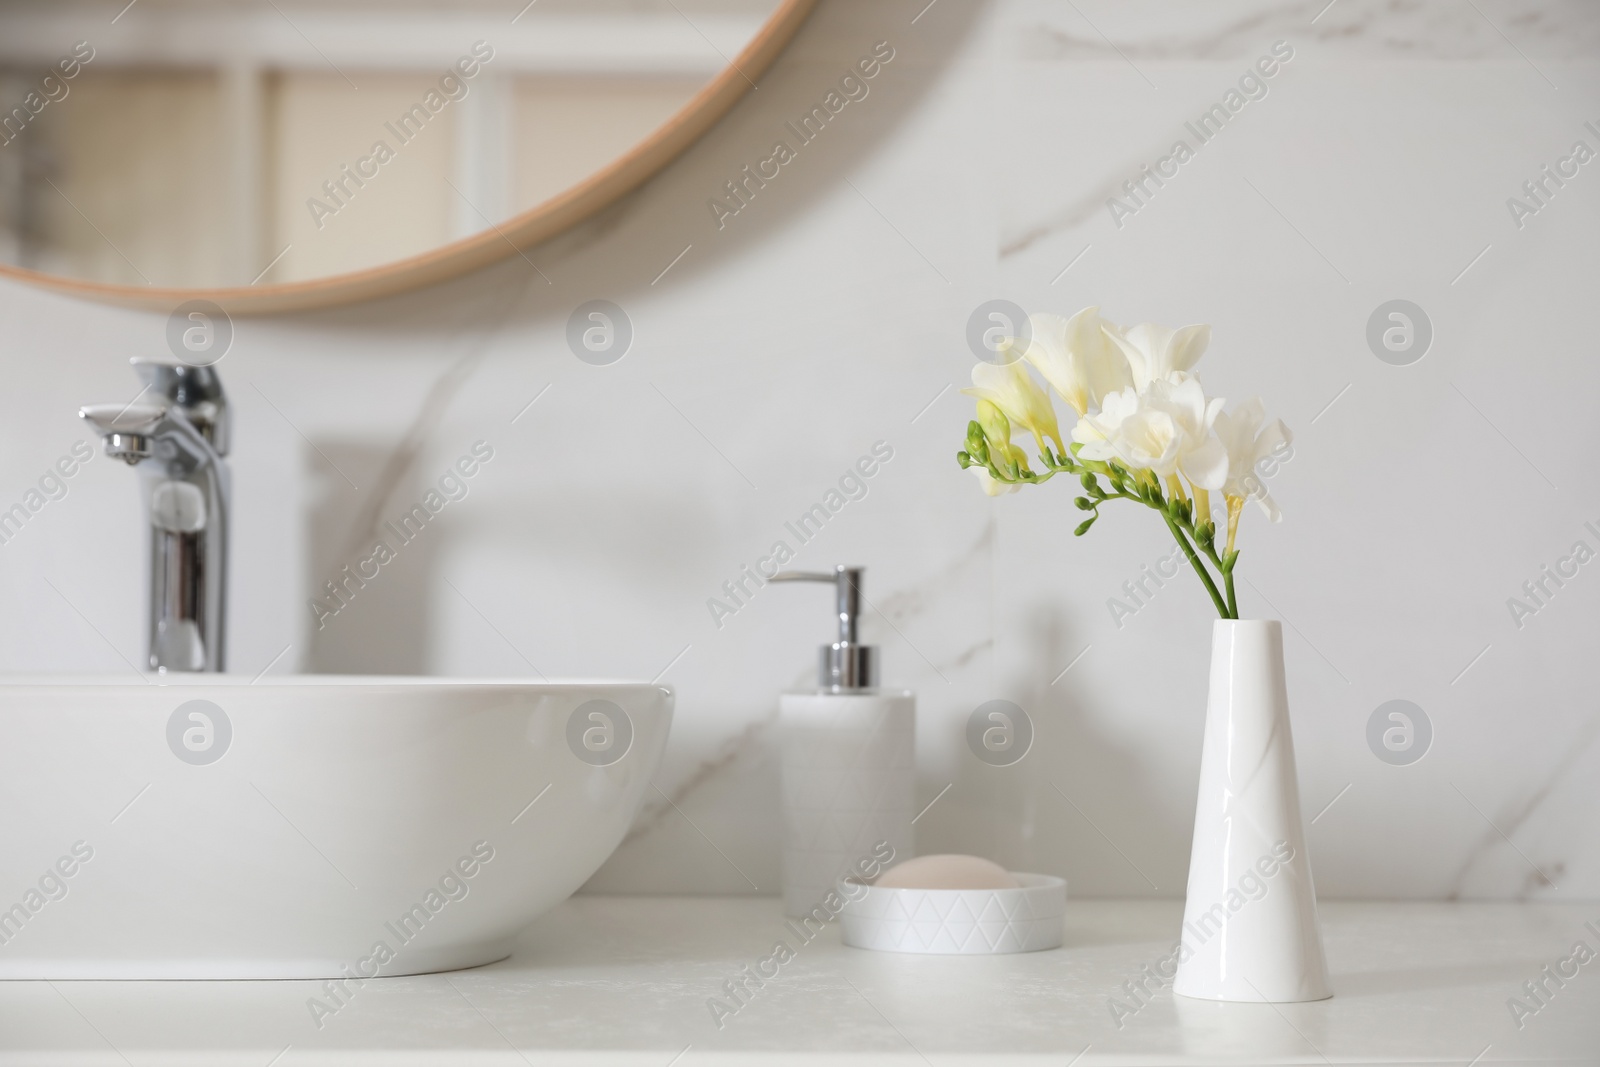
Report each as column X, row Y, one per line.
column 196, row 390
column 122, row 418
column 127, row 429
column 172, row 377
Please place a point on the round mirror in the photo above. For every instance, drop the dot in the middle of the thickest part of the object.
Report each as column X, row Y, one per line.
column 287, row 153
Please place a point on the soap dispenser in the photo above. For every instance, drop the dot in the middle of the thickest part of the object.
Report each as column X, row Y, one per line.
column 848, row 761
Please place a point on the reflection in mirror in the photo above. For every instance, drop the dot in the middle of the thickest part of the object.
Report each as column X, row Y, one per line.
column 235, row 142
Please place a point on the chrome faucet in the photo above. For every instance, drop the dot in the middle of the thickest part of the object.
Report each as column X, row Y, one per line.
column 179, row 439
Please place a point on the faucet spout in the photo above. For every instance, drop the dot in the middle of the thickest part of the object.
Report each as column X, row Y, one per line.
column 178, row 444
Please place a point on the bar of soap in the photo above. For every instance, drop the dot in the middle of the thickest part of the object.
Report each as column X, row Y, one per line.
column 947, row 872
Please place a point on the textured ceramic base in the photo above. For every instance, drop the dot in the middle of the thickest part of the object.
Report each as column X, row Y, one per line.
column 966, row 922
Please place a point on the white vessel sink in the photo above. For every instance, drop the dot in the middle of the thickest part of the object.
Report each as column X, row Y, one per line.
column 312, row 821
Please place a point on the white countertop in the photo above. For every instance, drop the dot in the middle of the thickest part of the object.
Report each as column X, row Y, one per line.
column 619, row 980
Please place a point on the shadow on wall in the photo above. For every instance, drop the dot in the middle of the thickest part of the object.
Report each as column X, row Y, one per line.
column 1073, row 804
column 1112, row 805
column 372, row 607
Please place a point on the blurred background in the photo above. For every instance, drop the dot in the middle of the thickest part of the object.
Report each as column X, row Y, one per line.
column 200, row 130
column 771, row 349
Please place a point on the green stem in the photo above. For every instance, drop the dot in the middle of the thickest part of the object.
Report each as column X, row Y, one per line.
column 1182, row 530
column 1223, row 569
column 1199, row 567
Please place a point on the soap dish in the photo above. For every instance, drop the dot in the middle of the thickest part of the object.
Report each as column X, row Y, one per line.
column 955, row 921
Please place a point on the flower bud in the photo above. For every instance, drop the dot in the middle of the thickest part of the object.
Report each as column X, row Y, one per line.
column 996, row 427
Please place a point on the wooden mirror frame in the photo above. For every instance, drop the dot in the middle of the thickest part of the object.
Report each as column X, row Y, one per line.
column 538, row 223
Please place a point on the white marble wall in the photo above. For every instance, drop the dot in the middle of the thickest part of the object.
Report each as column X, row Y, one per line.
column 829, row 314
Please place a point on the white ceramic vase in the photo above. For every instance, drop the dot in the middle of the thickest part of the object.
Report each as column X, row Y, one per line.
column 1250, row 930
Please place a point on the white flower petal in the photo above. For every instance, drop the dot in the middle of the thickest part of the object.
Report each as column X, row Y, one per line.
column 1249, row 442
column 1206, row 466
column 1269, row 505
column 1010, row 388
column 1050, row 355
column 1155, row 352
column 1186, row 346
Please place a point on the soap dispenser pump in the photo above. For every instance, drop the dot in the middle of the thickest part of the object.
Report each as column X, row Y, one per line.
column 848, row 762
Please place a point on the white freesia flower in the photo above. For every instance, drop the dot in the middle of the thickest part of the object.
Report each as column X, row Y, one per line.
column 1095, row 432
column 1148, row 440
column 1156, row 353
column 1012, row 389
column 1078, row 357
column 1131, row 431
column 1201, row 457
column 1248, row 442
column 1141, row 408
column 1165, row 430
